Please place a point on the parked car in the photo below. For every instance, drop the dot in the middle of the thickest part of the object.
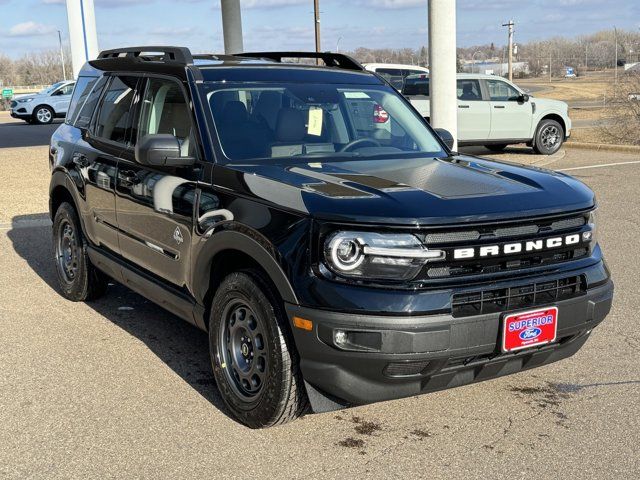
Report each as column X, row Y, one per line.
column 395, row 73
column 43, row 107
column 331, row 262
column 495, row 113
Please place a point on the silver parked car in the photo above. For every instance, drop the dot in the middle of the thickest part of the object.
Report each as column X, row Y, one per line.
column 44, row 106
column 495, row 113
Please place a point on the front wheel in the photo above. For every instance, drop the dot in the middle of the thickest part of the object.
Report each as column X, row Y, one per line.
column 254, row 360
column 43, row 115
column 549, row 137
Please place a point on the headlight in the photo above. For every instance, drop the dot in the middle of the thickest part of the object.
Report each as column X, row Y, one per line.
column 25, row 100
column 377, row 256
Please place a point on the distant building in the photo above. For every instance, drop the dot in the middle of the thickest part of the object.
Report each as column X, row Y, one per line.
column 495, row 68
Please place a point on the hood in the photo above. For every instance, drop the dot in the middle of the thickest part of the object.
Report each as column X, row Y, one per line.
column 24, row 95
column 550, row 104
column 411, row 191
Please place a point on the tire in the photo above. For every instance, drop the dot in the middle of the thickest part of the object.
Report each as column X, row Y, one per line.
column 78, row 279
column 254, row 360
column 496, row 147
column 43, row 115
column 549, row 137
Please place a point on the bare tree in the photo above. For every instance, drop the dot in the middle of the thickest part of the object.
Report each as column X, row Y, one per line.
column 624, row 109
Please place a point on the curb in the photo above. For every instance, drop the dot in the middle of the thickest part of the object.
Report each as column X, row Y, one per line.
column 603, row 146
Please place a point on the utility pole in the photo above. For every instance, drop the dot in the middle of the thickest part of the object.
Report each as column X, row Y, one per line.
column 316, row 20
column 615, row 66
column 64, row 70
column 550, row 69
column 586, row 57
column 510, row 25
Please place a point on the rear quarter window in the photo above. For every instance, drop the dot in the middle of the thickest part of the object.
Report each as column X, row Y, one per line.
column 87, row 105
column 80, row 93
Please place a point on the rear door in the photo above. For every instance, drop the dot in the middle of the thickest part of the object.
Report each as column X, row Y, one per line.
column 474, row 114
column 155, row 205
column 510, row 119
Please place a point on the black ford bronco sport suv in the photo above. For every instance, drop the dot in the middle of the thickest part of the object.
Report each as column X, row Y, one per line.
column 334, row 248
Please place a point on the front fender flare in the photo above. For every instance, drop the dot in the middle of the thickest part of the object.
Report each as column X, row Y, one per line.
column 235, row 240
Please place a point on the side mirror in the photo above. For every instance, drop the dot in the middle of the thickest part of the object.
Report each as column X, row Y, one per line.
column 523, row 98
column 446, row 137
column 161, row 150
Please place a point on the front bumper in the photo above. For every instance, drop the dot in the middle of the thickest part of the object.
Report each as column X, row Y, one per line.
column 400, row 356
column 20, row 114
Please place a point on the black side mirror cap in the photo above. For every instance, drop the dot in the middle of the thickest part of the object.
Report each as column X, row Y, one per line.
column 161, row 150
column 524, row 98
column 446, row 137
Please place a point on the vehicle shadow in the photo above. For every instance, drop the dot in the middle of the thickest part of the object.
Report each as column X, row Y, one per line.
column 481, row 151
column 181, row 346
column 17, row 134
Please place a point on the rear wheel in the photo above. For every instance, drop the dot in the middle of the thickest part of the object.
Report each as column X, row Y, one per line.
column 549, row 137
column 77, row 278
column 43, row 115
column 252, row 353
column 497, row 147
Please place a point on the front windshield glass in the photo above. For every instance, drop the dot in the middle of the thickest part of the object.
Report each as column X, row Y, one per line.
column 275, row 121
column 50, row 89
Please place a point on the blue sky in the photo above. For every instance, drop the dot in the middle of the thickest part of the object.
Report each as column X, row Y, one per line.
column 28, row 25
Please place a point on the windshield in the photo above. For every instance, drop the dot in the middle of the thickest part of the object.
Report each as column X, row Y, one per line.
column 275, row 121
column 50, row 89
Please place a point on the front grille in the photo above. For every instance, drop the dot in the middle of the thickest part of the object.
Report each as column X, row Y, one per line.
column 511, row 298
column 500, row 235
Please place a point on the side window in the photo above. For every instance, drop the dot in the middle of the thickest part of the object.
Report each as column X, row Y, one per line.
column 393, row 75
column 469, row 90
column 66, row 90
column 80, row 94
column 416, row 86
column 165, row 110
column 500, row 91
column 114, row 119
column 87, row 102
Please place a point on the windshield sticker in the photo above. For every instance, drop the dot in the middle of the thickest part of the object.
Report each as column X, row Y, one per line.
column 356, row 95
column 314, row 126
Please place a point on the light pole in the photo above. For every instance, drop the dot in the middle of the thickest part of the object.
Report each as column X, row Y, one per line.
column 615, row 66
column 316, row 21
column 232, row 26
column 64, row 70
column 338, row 44
column 442, row 65
column 473, row 62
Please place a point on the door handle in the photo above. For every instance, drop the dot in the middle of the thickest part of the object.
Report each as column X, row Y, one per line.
column 498, row 106
column 463, row 106
column 80, row 160
column 128, row 178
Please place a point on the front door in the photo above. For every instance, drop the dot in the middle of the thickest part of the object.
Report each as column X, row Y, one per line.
column 474, row 114
column 155, row 204
column 510, row 118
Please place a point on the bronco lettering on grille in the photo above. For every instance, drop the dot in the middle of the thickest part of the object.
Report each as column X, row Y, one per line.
column 516, row 247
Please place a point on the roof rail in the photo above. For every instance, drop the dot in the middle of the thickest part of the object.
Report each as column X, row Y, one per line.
column 180, row 55
column 330, row 59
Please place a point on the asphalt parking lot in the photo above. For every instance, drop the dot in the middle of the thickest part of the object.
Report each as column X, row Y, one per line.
column 121, row 388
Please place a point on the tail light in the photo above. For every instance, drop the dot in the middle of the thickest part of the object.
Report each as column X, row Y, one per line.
column 379, row 114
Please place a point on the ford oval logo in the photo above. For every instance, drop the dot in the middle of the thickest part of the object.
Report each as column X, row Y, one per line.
column 530, row 333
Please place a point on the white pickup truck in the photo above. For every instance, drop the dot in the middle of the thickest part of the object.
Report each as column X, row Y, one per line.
column 495, row 113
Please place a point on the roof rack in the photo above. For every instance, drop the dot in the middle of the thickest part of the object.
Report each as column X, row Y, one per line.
column 180, row 55
column 330, row 59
